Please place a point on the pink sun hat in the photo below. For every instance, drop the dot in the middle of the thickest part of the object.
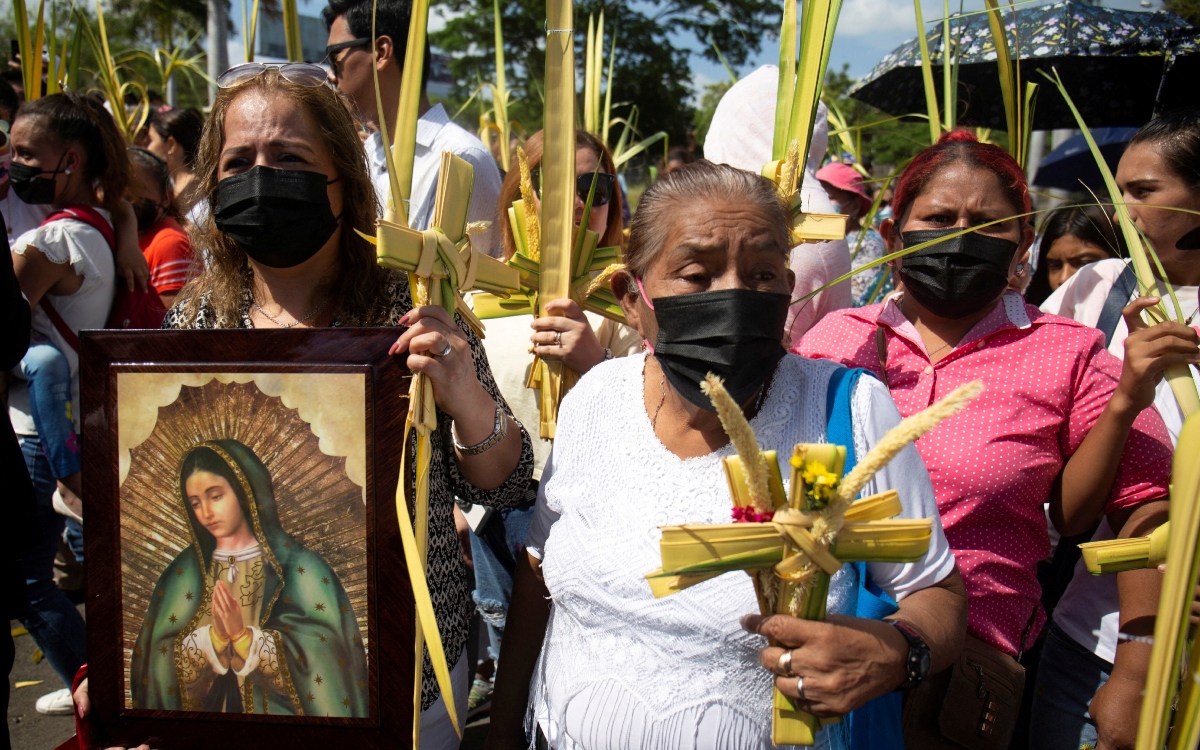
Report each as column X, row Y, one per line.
column 846, row 177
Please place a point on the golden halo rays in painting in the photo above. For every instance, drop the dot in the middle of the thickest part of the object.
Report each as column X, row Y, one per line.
column 243, row 542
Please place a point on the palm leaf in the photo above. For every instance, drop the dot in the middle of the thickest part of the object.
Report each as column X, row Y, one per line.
column 39, row 39
column 724, row 63
column 500, row 91
column 606, row 117
column 787, row 78
column 817, row 26
column 1009, row 86
column 291, row 31
column 931, row 108
column 1171, row 628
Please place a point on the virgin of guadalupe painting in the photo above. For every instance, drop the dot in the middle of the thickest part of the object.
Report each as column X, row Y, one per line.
column 244, row 542
column 243, row 584
column 273, row 613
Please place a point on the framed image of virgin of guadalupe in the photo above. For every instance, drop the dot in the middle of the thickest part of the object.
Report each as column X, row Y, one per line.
column 246, row 579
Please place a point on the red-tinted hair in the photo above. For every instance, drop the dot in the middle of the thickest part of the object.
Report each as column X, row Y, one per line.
column 961, row 147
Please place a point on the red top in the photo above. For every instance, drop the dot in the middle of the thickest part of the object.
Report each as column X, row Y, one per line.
column 1047, row 379
column 169, row 255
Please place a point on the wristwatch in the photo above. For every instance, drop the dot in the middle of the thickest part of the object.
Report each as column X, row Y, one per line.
column 917, row 665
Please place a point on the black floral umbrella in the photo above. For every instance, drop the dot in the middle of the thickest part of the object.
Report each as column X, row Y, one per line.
column 1181, row 72
column 1111, row 62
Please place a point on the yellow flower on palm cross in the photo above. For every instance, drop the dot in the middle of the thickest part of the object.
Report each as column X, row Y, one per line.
column 819, row 482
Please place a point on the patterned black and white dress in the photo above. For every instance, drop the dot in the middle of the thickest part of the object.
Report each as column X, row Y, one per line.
column 447, row 574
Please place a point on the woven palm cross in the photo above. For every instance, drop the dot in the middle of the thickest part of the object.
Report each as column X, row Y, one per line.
column 792, row 543
column 591, row 265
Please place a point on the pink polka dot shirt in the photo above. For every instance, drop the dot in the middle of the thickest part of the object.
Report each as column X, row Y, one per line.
column 1047, row 379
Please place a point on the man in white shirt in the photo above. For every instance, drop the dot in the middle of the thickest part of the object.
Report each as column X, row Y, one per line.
column 350, row 60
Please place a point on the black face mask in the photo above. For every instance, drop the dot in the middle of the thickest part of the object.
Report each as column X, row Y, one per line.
column 280, row 217
column 147, row 212
column 30, row 185
column 736, row 334
column 1189, row 241
column 957, row 277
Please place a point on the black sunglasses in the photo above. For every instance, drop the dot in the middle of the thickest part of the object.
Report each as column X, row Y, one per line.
column 583, row 186
column 332, row 50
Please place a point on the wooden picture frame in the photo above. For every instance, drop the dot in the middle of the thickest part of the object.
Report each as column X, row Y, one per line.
column 152, row 537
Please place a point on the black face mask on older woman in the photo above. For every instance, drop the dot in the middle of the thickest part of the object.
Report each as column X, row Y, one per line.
column 280, row 217
column 736, row 334
column 956, row 277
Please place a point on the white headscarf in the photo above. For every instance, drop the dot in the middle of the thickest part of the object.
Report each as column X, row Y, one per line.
column 743, row 129
column 741, row 134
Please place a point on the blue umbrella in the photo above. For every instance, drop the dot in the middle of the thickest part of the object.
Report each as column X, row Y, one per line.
column 1071, row 166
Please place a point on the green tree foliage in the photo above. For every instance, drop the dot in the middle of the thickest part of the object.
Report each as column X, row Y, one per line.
column 889, row 143
column 652, row 68
column 132, row 25
column 1189, row 9
column 708, row 107
column 164, row 23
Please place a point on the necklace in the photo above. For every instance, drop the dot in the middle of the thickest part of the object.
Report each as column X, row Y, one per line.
column 663, row 385
column 943, row 346
column 296, row 321
column 758, row 402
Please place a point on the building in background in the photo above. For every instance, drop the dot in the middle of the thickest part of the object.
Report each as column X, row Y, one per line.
column 439, row 83
column 270, row 41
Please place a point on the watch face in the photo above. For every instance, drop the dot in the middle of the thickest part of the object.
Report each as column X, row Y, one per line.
column 923, row 663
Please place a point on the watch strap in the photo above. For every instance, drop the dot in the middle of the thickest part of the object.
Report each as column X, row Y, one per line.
column 917, row 663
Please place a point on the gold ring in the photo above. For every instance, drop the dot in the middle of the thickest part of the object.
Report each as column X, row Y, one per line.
column 558, row 338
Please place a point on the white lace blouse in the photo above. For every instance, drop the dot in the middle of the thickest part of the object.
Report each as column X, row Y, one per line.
column 621, row 669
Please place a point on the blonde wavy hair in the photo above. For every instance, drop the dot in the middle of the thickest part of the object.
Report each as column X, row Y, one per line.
column 359, row 289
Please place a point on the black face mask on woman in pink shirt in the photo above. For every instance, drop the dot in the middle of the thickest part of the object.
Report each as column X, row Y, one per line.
column 959, row 276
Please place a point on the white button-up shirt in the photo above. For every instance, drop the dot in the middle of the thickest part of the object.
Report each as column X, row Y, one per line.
column 436, row 133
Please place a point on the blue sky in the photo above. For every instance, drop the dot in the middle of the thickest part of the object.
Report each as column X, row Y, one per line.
column 867, row 30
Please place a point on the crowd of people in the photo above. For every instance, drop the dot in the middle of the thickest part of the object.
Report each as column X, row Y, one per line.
column 254, row 214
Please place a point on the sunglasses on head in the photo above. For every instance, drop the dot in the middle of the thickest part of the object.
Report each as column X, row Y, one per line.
column 309, row 75
column 331, row 52
column 583, row 186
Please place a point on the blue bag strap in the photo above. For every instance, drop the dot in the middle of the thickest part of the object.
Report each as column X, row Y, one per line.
column 839, row 424
column 876, row 725
column 1116, row 300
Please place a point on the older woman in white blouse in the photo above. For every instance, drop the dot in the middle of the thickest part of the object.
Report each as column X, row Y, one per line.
column 637, row 448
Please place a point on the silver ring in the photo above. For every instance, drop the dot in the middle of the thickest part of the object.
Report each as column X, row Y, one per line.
column 800, row 688
column 445, row 351
column 784, row 665
column 558, row 338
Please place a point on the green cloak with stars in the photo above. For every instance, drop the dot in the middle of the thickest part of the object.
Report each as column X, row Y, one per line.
column 313, row 659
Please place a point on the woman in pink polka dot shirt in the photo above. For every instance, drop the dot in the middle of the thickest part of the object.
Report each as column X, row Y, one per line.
column 1059, row 421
